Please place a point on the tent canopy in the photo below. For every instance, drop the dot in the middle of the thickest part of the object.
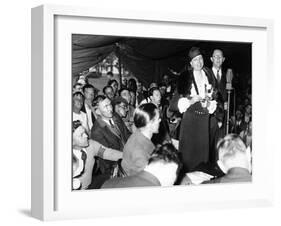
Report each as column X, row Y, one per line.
column 149, row 58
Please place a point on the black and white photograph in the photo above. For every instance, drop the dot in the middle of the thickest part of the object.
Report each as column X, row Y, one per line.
column 148, row 114
column 160, row 112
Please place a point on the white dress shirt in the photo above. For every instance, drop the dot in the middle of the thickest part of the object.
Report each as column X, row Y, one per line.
column 215, row 71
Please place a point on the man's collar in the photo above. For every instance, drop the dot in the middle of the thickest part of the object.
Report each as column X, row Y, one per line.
column 215, row 70
column 86, row 105
column 103, row 122
column 221, row 166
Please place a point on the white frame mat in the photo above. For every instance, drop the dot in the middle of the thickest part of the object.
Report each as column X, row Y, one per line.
column 52, row 197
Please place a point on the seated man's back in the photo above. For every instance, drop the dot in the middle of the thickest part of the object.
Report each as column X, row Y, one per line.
column 235, row 158
column 161, row 170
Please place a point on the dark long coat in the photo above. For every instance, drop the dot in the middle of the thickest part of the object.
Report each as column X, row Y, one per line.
column 194, row 129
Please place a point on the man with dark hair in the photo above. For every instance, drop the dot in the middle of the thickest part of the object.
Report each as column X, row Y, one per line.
column 129, row 120
column 139, row 146
column 219, row 73
column 77, row 104
column 114, row 84
column 161, row 170
column 140, row 95
column 109, row 74
column 108, row 92
column 84, row 151
column 132, row 84
column 121, row 107
column 89, row 93
column 109, row 130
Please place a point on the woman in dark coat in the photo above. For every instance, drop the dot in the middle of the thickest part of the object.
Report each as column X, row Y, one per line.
column 194, row 100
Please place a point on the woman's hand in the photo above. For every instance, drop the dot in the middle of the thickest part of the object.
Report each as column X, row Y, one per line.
column 183, row 104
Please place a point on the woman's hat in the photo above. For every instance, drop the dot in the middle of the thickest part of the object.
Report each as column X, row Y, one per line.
column 194, row 52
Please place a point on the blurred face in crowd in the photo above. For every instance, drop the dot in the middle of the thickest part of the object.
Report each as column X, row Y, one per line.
column 248, row 109
column 89, row 94
column 217, row 58
column 166, row 79
column 121, row 109
column 77, row 102
column 250, row 126
column 104, row 109
column 124, row 82
column 109, row 75
column 139, row 86
column 155, row 122
column 109, row 92
column 197, row 63
column 80, row 137
column 238, row 115
column 156, row 97
column 162, row 90
column 133, row 98
column 77, row 87
column 126, row 95
column 114, row 86
column 246, row 101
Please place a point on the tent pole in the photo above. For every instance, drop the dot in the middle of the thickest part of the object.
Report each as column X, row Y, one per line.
column 119, row 67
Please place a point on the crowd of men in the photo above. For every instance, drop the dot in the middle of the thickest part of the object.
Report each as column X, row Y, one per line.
column 130, row 136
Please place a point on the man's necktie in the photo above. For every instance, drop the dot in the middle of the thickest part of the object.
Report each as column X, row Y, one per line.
column 218, row 76
column 117, row 132
column 115, row 128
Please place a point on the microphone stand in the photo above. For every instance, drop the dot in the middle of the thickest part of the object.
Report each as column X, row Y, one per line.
column 228, row 110
column 229, row 76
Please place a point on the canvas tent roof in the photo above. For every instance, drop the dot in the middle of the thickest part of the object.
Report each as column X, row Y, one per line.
column 150, row 58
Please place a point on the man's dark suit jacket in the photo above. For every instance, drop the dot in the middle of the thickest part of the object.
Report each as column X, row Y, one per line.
column 141, row 179
column 102, row 133
column 219, row 115
column 220, row 86
column 219, row 93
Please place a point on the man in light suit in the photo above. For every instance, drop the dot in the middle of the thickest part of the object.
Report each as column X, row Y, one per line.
column 162, row 170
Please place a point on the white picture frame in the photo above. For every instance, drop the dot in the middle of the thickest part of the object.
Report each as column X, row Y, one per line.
column 52, row 197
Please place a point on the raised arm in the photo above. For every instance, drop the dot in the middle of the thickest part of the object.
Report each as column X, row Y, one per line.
column 103, row 152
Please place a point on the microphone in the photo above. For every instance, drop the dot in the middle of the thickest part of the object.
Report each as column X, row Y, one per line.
column 229, row 77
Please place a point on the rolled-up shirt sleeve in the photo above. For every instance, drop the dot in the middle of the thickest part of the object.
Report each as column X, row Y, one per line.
column 183, row 104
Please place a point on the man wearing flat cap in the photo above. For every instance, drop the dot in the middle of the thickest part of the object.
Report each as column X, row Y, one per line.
column 194, row 99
